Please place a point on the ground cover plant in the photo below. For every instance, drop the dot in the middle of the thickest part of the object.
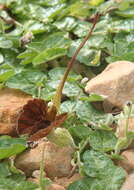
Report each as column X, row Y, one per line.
column 37, row 41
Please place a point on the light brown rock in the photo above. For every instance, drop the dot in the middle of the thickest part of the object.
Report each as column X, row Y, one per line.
column 11, row 101
column 129, row 183
column 55, row 187
column 65, row 181
column 116, row 82
column 62, row 182
column 57, row 160
column 128, row 162
column 52, row 186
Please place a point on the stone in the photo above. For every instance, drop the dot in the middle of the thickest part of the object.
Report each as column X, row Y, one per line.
column 55, row 187
column 61, row 182
column 65, row 181
column 11, row 101
column 57, row 160
column 116, row 83
column 129, row 183
column 52, row 186
column 128, row 162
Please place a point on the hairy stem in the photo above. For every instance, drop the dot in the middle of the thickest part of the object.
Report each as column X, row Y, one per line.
column 57, row 98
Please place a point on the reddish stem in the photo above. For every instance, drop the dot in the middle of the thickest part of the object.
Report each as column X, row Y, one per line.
column 58, row 95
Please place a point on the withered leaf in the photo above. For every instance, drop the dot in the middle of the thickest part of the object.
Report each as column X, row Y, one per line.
column 37, row 121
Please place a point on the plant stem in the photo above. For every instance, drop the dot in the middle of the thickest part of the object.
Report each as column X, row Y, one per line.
column 42, row 181
column 127, row 121
column 57, row 98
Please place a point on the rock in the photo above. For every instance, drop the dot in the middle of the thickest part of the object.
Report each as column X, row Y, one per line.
column 11, row 101
column 115, row 82
column 128, row 162
column 65, row 181
column 57, row 160
column 36, row 174
column 62, row 182
column 129, row 183
column 55, row 187
column 52, row 186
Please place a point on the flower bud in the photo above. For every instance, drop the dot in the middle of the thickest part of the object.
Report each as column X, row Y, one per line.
column 50, row 104
column 84, row 80
column 61, row 137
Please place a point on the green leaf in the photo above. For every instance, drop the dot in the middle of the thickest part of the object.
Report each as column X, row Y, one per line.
column 82, row 28
column 68, row 106
column 11, row 146
column 16, row 184
column 27, row 56
column 66, row 24
column 52, row 47
column 6, row 72
column 102, row 140
column 79, row 9
column 36, row 27
column 53, row 40
column 83, row 184
column 5, row 43
column 28, row 81
column 10, row 57
column 58, row 72
column 93, row 98
column 70, row 89
column 52, row 3
column 123, row 143
column 107, row 6
column 123, row 48
column 113, row 181
column 61, row 137
column 88, row 53
column 47, row 93
column 122, row 26
column 10, row 180
column 128, row 13
column 4, row 170
column 80, row 131
column 40, row 13
column 86, row 112
column 95, row 2
column 48, row 55
column 96, row 164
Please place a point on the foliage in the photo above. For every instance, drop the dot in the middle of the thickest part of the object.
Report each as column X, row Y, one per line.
column 101, row 172
column 11, row 146
column 9, row 180
column 37, row 39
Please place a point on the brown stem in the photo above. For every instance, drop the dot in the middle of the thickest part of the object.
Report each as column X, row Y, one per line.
column 57, row 98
